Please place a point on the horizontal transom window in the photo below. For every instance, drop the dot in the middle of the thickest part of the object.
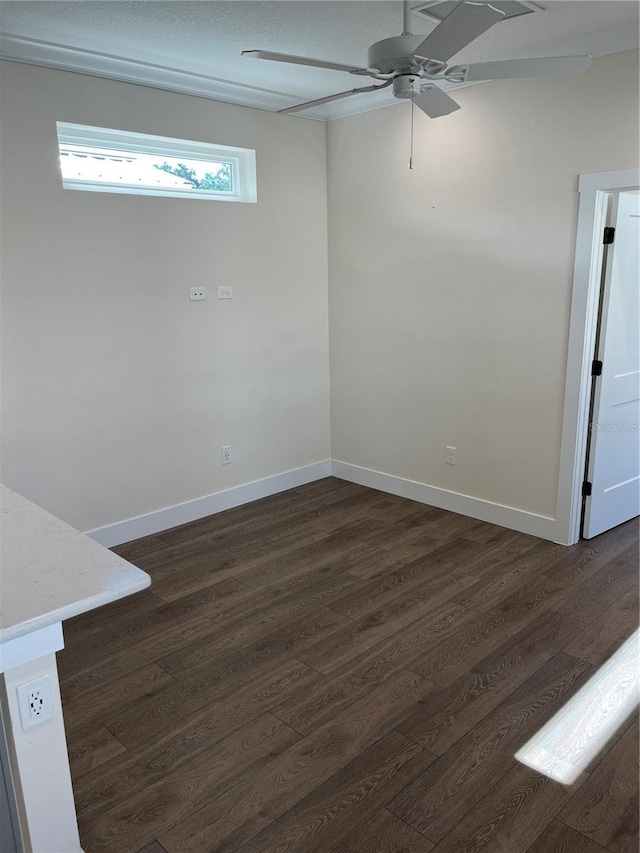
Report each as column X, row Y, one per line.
column 100, row 159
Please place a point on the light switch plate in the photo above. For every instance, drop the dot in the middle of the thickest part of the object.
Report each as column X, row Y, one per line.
column 225, row 292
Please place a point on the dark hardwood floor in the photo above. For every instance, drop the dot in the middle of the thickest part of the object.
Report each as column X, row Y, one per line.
column 337, row 670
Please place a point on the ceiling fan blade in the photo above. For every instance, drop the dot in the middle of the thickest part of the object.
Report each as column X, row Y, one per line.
column 510, row 68
column 462, row 25
column 305, row 60
column 319, row 101
column 435, row 103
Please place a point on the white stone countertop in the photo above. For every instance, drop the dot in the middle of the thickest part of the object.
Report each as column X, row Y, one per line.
column 50, row 572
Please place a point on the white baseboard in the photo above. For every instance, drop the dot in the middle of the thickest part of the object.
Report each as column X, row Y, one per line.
column 172, row 516
column 504, row 516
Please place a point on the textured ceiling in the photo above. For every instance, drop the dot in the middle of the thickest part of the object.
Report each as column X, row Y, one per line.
column 204, row 40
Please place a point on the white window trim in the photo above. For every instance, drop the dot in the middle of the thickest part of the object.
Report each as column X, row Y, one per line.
column 243, row 161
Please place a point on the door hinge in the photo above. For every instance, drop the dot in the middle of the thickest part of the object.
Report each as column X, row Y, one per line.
column 586, row 489
column 596, row 368
column 609, row 235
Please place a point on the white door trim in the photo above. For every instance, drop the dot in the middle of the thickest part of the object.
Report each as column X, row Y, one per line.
column 592, row 213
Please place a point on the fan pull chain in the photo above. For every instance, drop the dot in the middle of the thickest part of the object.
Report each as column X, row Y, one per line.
column 411, row 145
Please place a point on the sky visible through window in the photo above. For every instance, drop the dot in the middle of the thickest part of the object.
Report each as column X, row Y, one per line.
column 103, row 165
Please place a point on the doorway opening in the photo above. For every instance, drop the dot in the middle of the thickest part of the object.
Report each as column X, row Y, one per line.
column 611, row 489
column 597, row 194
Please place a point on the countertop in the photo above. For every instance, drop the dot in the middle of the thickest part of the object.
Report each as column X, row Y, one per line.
column 50, row 572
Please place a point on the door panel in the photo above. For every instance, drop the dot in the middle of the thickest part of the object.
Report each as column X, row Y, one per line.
column 614, row 455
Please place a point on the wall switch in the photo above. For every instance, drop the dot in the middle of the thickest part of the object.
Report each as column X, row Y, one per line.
column 226, row 454
column 450, row 455
column 197, row 293
column 35, row 702
column 225, row 292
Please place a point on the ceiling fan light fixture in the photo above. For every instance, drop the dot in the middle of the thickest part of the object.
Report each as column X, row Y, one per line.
column 439, row 9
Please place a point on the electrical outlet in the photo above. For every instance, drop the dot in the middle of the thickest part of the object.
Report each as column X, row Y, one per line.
column 226, row 454
column 197, row 293
column 225, row 292
column 35, row 702
column 450, row 455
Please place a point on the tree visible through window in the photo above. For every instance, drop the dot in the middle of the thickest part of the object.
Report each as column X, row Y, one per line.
column 100, row 165
column 105, row 160
column 219, row 181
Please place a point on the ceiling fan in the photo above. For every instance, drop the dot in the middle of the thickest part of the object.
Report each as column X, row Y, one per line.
column 412, row 63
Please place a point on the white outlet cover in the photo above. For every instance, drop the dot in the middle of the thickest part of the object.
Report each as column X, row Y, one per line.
column 35, row 702
column 197, row 293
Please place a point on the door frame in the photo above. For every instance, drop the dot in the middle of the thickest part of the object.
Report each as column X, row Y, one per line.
column 594, row 189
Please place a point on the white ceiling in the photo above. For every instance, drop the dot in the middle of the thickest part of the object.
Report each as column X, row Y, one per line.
column 195, row 46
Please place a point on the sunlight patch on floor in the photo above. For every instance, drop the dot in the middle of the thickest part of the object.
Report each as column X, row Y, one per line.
column 566, row 745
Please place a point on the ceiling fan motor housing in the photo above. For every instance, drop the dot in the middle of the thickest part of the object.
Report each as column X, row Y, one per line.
column 394, row 54
column 406, row 85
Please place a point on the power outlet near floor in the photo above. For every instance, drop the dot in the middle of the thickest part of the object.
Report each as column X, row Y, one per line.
column 225, row 454
column 35, row 702
column 450, row 455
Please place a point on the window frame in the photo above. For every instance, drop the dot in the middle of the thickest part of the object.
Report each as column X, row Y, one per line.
column 242, row 160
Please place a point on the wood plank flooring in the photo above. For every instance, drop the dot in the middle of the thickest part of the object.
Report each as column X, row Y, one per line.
column 337, row 670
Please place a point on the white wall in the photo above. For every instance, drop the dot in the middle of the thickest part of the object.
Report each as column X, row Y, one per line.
column 118, row 392
column 450, row 285
column 449, row 294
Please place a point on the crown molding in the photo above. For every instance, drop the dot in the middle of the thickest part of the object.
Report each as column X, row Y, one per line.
column 96, row 64
column 65, row 58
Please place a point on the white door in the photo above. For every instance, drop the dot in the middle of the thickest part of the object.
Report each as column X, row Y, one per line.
column 613, row 466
